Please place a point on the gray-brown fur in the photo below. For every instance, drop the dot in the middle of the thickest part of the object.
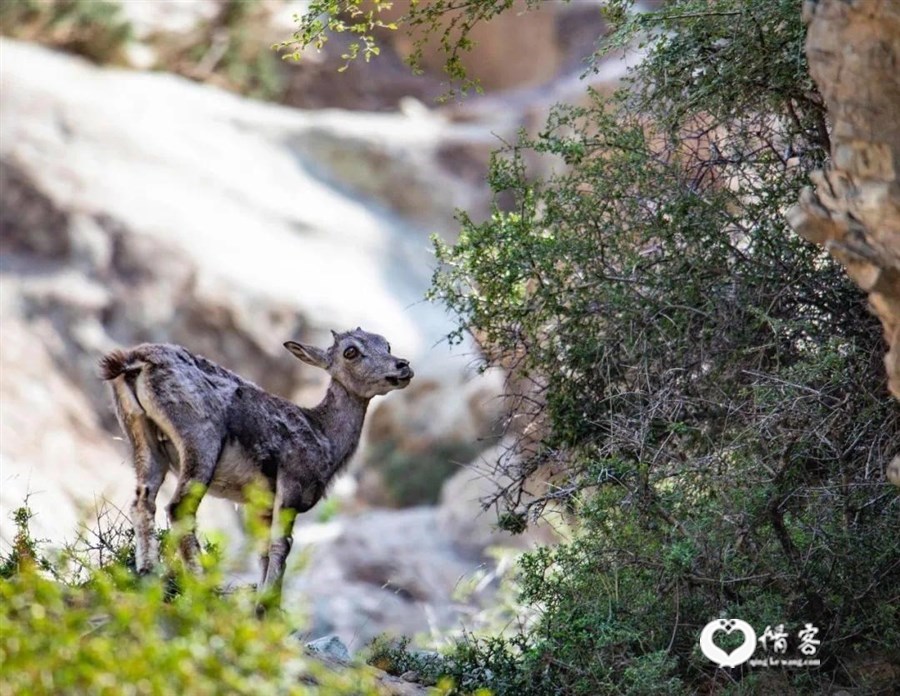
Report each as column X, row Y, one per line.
column 185, row 414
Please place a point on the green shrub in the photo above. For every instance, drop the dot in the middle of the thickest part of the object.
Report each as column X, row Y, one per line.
column 103, row 630
column 25, row 550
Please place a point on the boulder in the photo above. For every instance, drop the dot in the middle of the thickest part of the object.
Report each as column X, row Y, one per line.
column 380, row 571
column 330, row 648
column 454, row 407
column 332, row 651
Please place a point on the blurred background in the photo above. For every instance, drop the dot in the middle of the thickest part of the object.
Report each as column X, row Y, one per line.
column 166, row 176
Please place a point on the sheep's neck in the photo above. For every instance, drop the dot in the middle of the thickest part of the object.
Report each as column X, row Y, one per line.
column 340, row 417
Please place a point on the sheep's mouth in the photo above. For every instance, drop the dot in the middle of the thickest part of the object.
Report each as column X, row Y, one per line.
column 398, row 380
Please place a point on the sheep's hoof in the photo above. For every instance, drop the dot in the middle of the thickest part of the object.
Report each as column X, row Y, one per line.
column 171, row 587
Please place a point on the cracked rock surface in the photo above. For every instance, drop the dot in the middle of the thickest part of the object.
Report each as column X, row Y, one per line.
column 853, row 210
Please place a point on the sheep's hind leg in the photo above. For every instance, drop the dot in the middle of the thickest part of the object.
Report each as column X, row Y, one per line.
column 143, row 510
column 150, row 467
column 196, row 473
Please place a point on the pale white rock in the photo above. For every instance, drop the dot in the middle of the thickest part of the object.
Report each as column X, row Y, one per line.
column 244, row 188
column 167, row 16
column 384, row 570
column 331, row 648
column 463, row 520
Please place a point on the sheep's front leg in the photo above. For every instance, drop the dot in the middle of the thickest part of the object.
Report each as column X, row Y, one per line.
column 265, row 521
column 274, row 561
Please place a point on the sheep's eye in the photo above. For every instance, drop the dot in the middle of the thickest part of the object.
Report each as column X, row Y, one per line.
column 389, row 347
column 351, row 353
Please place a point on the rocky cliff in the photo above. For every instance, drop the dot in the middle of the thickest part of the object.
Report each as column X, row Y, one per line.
column 854, row 209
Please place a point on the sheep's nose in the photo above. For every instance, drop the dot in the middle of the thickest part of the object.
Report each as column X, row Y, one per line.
column 403, row 364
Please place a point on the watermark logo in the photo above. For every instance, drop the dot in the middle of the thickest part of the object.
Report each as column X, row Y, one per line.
column 736, row 657
column 774, row 642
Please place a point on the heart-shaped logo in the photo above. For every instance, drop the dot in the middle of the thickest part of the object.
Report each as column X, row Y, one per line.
column 736, row 657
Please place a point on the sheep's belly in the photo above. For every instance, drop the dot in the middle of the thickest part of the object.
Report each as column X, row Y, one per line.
column 234, row 472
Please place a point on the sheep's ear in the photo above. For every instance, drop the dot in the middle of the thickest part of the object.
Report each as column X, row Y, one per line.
column 308, row 354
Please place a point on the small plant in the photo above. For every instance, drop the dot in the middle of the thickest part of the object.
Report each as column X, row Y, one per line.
column 94, row 29
column 25, row 551
column 471, row 665
column 393, row 655
column 327, row 509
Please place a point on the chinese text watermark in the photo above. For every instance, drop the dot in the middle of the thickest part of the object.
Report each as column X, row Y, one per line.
column 774, row 642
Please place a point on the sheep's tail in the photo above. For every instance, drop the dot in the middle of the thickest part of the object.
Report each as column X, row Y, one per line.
column 115, row 363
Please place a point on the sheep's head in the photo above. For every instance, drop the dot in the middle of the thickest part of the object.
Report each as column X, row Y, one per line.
column 360, row 361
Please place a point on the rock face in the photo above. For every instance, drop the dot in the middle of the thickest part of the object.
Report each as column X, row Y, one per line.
column 854, row 211
column 330, row 648
column 379, row 571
